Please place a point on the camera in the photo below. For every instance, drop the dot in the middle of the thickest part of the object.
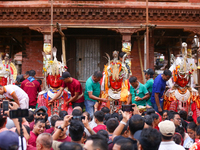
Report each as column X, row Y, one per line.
column 78, row 118
column 19, row 113
column 127, row 107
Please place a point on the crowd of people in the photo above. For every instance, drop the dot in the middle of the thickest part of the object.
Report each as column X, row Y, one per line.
column 89, row 128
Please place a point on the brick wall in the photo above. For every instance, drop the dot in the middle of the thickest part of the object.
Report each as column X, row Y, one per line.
column 34, row 54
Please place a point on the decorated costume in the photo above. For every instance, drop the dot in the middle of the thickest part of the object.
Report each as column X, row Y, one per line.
column 182, row 96
column 114, row 84
column 8, row 71
column 52, row 72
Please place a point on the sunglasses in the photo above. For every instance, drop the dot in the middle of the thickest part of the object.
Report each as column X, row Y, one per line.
column 40, row 114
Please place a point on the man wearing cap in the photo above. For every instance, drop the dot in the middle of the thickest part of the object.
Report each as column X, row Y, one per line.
column 167, row 130
column 74, row 86
column 149, row 84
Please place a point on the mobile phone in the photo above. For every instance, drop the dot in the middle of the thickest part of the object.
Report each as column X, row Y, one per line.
column 18, row 113
column 127, row 107
column 5, row 105
column 78, row 117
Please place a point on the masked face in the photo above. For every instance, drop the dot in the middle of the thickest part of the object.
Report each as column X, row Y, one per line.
column 116, row 84
column 182, row 81
column 54, row 81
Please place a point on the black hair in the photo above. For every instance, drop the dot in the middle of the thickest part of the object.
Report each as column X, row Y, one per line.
column 150, row 111
column 132, row 79
column 88, row 115
column 105, row 110
column 183, row 114
column 99, row 142
column 40, row 81
column 112, row 124
column 98, row 74
column 76, row 112
column 99, row 115
column 115, row 115
column 53, row 120
column 27, row 73
column 46, row 117
column 166, row 137
column 125, row 144
column 166, row 111
column 103, row 133
column 76, row 130
column 177, row 139
column 198, row 130
column 124, row 129
column 155, row 116
column 62, row 114
column 39, row 120
column 30, row 117
column 136, row 122
column 120, row 117
column 192, row 126
column 198, row 119
column 32, row 73
column 148, row 120
column 70, row 146
column 180, row 130
column 172, row 114
column 191, row 119
column 121, row 54
column 107, row 116
column 2, row 119
column 150, row 139
column 167, row 72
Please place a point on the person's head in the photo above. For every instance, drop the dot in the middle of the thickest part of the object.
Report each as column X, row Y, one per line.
column 125, row 131
column 97, row 76
column 167, row 129
column 156, row 119
column 104, row 133
column 76, row 130
column 30, row 117
column 88, row 116
column 121, row 55
column 32, row 73
column 148, row 121
column 40, row 112
column 123, row 144
column 44, row 141
column 105, row 110
column 9, row 140
column 183, row 114
column 174, row 116
column 99, row 116
column 133, row 81
column 97, row 142
column 115, row 115
column 165, row 115
column 112, row 124
column 70, row 146
column 62, row 114
column 2, row 90
column 58, row 123
column 180, row 130
column 149, row 73
column 198, row 120
column 26, row 75
column 76, row 112
column 166, row 75
column 197, row 133
column 191, row 130
column 66, row 77
column 79, row 108
column 190, row 119
column 149, row 139
column 177, row 138
column 53, row 120
column 136, row 122
column 40, row 81
column 150, row 111
column 39, row 126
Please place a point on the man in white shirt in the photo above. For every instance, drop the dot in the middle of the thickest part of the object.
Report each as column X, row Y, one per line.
column 167, row 130
column 13, row 92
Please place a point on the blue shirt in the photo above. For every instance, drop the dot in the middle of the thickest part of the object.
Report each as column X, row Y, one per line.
column 158, row 87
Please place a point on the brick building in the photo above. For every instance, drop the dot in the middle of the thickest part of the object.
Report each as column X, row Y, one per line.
column 95, row 27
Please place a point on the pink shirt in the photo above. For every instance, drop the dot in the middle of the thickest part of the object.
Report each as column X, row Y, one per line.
column 99, row 127
column 32, row 140
column 67, row 139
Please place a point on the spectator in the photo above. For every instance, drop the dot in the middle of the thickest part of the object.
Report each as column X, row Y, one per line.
column 9, row 140
column 149, row 139
column 96, row 142
column 111, row 125
column 156, row 120
column 32, row 88
column 30, row 117
column 99, row 116
column 138, row 92
column 38, row 128
column 148, row 121
column 44, row 141
column 175, row 118
column 74, row 86
column 62, row 114
column 165, row 115
column 158, row 90
column 198, row 121
column 191, row 130
column 92, row 92
column 177, row 138
column 106, row 110
column 70, row 146
column 167, row 130
column 115, row 115
column 183, row 114
column 13, row 92
column 104, row 133
column 149, row 84
column 124, row 144
column 53, row 120
column 39, row 113
column 196, row 145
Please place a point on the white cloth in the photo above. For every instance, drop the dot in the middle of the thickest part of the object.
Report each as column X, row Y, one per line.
column 21, row 95
column 171, row 145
